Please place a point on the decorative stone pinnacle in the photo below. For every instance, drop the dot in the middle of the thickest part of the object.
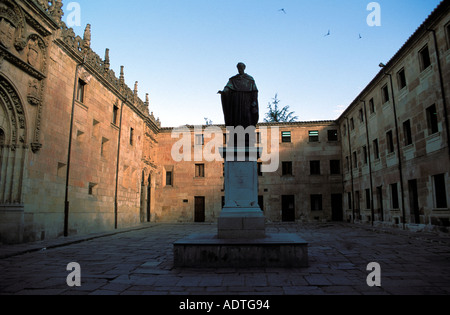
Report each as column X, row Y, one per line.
column 122, row 76
column 106, row 62
column 87, row 37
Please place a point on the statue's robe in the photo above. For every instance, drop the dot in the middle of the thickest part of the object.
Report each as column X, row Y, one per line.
column 240, row 102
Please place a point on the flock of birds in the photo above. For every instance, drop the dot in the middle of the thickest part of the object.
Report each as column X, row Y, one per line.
column 327, row 34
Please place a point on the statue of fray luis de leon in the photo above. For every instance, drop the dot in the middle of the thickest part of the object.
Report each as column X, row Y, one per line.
column 240, row 100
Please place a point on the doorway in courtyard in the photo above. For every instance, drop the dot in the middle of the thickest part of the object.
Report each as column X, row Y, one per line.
column 200, row 210
column 337, row 210
column 288, row 208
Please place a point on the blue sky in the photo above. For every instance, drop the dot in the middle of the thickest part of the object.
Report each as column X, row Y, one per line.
column 183, row 51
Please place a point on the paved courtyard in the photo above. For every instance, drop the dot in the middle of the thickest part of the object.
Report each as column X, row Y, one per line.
column 139, row 261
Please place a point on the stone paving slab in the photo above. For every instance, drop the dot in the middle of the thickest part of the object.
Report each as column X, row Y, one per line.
column 139, row 261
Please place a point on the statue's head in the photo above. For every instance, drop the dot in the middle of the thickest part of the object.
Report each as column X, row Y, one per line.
column 241, row 68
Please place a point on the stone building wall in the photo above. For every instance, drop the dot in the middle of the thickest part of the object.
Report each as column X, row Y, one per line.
column 176, row 202
column 404, row 109
column 48, row 73
column 112, row 162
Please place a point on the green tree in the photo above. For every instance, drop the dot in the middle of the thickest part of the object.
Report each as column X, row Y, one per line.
column 277, row 114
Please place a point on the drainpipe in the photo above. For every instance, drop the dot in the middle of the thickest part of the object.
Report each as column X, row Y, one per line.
column 370, row 163
column 116, row 208
column 444, row 99
column 66, row 200
column 400, row 167
column 351, row 170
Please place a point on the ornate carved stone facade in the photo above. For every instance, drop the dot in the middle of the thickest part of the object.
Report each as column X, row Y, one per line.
column 61, row 152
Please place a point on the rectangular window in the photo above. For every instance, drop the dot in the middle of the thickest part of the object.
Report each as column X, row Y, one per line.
column 376, row 149
column 314, row 136
column 315, row 167
column 357, row 200
column 103, row 147
column 169, row 178
column 258, row 138
column 407, row 132
column 424, row 56
column 372, row 106
column 349, row 200
column 199, row 140
column 287, row 168
column 335, row 167
column 368, row 199
column 81, row 90
column 447, row 34
column 432, row 120
column 115, row 115
column 199, row 170
column 286, row 137
column 91, row 188
column 347, row 161
column 401, row 78
column 385, row 94
column 440, row 191
column 390, row 141
column 365, row 155
column 332, row 135
column 131, row 136
column 352, row 124
column 316, row 203
column 355, row 159
column 394, row 196
column 361, row 116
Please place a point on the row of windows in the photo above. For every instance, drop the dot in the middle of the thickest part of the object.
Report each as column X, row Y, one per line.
column 440, row 195
column 314, row 166
column 286, row 137
column 335, row 169
column 433, row 128
column 424, row 62
column 81, row 91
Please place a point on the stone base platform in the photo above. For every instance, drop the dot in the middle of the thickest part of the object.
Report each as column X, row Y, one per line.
column 208, row 251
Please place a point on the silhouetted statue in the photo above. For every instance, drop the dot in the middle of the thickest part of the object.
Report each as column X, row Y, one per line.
column 240, row 100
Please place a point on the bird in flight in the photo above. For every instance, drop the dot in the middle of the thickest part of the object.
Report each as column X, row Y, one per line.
column 360, row 36
column 328, row 34
column 282, row 10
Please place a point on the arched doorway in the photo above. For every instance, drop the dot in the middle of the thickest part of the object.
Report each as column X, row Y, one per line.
column 13, row 143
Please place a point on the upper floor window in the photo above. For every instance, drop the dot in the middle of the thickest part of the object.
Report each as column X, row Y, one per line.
column 287, row 168
column 424, row 58
column 199, row 140
column 199, row 170
column 432, row 120
column 286, row 137
column 401, row 77
column 314, row 167
column 407, row 132
column 361, row 116
column 372, row 106
column 332, row 135
column 81, row 91
column 390, row 141
column 169, row 178
column 131, row 136
column 115, row 115
column 314, row 136
column 385, row 94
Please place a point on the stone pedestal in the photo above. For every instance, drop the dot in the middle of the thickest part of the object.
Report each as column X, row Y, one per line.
column 241, row 217
column 241, row 241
